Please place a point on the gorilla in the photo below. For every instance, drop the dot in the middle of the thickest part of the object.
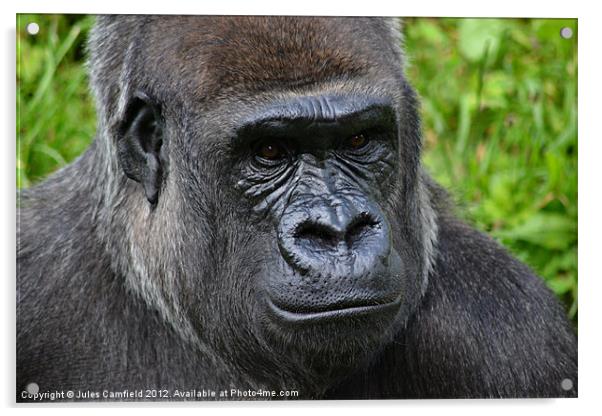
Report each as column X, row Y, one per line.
column 253, row 217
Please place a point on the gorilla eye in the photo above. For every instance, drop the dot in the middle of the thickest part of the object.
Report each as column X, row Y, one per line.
column 270, row 152
column 357, row 141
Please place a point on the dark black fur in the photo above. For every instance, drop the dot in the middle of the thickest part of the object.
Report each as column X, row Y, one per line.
column 142, row 265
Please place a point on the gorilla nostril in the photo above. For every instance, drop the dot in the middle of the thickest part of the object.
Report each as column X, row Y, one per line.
column 358, row 226
column 329, row 235
column 319, row 233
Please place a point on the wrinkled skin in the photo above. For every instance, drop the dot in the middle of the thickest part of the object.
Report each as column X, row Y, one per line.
column 253, row 215
column 318, row 184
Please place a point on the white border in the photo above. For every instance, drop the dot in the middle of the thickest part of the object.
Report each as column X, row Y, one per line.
column 590, row 209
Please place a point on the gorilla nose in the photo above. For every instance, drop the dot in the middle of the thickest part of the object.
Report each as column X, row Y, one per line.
column 339, row 241
column 330, row 235
column 336, row 256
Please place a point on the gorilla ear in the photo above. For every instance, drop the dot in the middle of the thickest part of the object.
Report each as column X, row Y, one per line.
column 140, row 145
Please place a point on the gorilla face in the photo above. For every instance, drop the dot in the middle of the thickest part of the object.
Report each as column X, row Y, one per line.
column 313, row 166
column 294, row 179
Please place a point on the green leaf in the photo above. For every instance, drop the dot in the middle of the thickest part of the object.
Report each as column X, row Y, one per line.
column 560, row 286
column 430, row 32
column 479, row 37
column 548, row 230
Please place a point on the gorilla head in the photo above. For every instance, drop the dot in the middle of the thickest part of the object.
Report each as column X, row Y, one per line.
column 261, row 184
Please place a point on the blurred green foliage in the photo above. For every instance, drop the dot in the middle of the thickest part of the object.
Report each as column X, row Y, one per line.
column 55, row 112
column 499, row 107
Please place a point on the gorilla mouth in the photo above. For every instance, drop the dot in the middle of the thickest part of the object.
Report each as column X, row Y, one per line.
column 334, row 312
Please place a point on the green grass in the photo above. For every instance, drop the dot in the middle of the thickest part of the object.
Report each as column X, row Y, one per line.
column 499, row 104
column 55, row 113
column 499, row 107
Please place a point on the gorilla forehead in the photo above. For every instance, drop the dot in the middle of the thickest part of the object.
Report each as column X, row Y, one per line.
column 252, row 54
